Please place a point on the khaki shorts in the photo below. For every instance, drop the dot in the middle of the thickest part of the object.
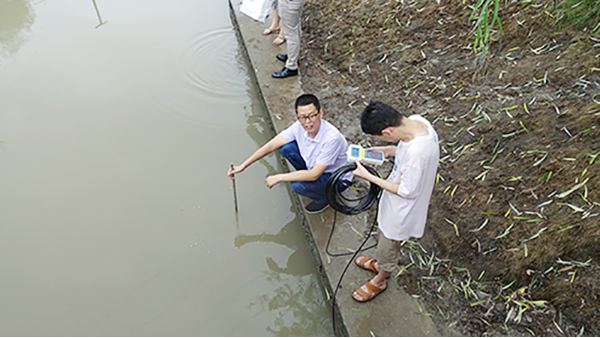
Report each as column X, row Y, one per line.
column 388, row 253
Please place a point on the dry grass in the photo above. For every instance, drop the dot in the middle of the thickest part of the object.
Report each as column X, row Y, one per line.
column 515, row 210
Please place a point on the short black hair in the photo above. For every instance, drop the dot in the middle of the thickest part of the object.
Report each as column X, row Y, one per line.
column 305, row 100
column 377, row 116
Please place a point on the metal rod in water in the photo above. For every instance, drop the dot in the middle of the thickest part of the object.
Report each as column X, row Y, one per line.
column 234, row 193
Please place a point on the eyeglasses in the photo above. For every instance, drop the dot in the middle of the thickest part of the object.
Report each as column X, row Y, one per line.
column 310, row 117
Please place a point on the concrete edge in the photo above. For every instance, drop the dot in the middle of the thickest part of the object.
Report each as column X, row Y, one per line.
column 311, row 242
column 397, row 313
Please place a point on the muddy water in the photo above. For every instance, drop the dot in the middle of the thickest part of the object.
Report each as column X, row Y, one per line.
column 118, row 120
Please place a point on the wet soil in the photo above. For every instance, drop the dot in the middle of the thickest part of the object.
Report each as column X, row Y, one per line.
column 512, row 244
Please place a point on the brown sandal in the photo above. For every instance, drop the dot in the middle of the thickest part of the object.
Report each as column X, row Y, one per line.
column 373, row 291
column 370, row 261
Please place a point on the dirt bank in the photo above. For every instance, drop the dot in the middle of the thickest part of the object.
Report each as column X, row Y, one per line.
column 512, row 244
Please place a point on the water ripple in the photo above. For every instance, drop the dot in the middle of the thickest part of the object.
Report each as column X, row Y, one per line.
column 206, row 82
column 211, row 68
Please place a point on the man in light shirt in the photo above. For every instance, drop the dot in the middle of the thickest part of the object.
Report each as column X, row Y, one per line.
column 403, row 206
column 313, row 146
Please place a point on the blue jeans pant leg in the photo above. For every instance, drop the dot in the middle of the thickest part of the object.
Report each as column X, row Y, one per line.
column 314, row 190
column 291, row 153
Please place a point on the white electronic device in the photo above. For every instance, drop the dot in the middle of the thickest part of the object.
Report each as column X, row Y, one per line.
column 356, row 152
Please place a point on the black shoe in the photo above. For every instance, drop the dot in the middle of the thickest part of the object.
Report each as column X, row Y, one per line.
column 282, row 57
column 314, row 208
column 285, row 72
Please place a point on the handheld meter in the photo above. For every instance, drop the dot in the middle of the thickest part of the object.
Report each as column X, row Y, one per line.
column 356, row 152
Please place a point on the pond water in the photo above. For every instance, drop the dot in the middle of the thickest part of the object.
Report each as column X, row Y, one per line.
column 118, row 121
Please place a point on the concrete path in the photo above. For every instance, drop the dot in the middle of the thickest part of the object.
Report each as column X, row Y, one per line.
column 394, row 313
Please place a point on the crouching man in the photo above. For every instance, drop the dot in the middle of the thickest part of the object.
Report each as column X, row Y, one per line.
column 313, row 146
column 407, row 191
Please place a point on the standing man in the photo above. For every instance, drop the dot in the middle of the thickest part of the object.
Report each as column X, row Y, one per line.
column 407, row 191
column 313, row 146
column 290, row 12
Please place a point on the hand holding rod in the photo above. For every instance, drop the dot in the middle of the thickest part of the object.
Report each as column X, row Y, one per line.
column 234, row 193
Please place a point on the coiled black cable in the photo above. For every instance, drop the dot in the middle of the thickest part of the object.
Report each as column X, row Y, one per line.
column 335, row 198
column 339, row 202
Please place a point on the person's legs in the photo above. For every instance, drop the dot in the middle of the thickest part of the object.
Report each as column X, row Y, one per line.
column 280, row 39
column 291, row 152
column 276, row 19
column 387, row 260
column 291, row 12
column 314, row 190
column 274, row 22
column 388, row 251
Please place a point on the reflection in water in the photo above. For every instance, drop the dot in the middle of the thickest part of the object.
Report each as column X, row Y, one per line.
column 16, row 17
column 98, row 13
column 258, row 133
column 285, row 236
column 300, row 298
column 295, row 306
column 122, row 169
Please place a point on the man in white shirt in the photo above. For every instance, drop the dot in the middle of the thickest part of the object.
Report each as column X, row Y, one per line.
column 403, row 206
column 313, row 146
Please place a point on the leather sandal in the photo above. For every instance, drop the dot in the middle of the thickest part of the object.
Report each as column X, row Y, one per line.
column 367, row 296
column 369, row 261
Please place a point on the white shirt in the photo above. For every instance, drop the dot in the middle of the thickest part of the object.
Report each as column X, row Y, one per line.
column 403, row 215
column 327, row 148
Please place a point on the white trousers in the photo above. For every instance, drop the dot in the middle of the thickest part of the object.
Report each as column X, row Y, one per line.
column 290, row 12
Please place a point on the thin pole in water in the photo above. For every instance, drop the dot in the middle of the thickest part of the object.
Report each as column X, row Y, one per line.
column 234, row 194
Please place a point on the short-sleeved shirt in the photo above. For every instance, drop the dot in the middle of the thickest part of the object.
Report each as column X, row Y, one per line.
column 403, row 215
column 327, row 148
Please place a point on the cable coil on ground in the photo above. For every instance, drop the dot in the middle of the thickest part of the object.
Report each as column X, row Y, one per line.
column 339, row 202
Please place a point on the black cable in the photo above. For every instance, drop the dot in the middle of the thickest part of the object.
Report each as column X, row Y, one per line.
column 333, row 192
column 331, row 235
column 354, row 254
column 335, row 198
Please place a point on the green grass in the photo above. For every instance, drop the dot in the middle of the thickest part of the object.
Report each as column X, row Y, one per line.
column 580, row 14
column 487, row 17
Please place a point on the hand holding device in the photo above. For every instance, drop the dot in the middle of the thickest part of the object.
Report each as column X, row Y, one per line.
column 356, row 152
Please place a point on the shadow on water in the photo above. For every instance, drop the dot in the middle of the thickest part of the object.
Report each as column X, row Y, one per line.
column 297, row 303
column 285, row 236
column 16, row 18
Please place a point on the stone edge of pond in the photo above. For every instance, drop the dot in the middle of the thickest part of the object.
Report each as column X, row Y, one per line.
column 278, row 122
column 395, row 313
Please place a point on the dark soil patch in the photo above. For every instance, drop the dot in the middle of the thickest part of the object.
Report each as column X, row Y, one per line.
column 518, row 130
